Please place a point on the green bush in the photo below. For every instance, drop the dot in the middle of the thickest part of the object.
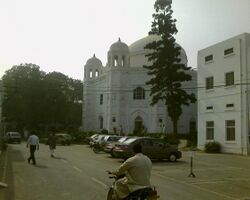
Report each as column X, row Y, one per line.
column 104, row 132
column 212, row 147
column 192, row 139
column 171, row 139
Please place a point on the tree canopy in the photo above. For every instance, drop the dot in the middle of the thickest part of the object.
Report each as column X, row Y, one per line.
column 166, row 68
column 36, row 100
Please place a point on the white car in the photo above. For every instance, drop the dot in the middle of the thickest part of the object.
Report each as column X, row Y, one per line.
column 13, row 137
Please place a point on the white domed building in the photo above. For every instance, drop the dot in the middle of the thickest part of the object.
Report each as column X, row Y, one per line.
column 116, row 96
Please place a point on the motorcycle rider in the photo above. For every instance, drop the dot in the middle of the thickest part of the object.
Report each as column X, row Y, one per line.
column 137, row 170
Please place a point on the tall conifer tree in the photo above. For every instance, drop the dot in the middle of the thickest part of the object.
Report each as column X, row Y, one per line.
column 165, row 66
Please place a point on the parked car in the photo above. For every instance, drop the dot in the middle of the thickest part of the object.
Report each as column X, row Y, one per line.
column 108, row 139
column 13, row 137
column 92, row 139
column 152, row 147
column 108, row 148
column 63, row 138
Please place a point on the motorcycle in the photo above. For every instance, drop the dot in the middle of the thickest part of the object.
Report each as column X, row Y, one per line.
column 145, row 193
column 97, row 147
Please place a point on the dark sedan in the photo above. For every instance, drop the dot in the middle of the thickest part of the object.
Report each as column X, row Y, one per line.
column 152, row 147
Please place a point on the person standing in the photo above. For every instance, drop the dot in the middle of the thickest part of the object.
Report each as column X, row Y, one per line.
column 33, row 143
column 52, row 144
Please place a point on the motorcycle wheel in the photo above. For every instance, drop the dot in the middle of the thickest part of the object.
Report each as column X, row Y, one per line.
column 96, row 150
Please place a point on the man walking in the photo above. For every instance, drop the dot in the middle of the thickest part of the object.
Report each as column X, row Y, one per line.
column 33, row 142
column 52, row 144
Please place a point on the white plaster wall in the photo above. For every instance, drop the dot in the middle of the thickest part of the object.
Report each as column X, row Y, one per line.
column 221, row 95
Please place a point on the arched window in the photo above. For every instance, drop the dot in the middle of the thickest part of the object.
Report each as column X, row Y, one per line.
column 123, row 61
column 116, row 61
column 139, row 93
column 91, row 74
column 96, row 73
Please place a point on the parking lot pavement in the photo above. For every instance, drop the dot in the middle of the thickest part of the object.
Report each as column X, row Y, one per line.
column 227, row 176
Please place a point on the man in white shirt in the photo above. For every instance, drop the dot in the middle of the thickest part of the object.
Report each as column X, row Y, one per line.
column 33, row 142
column 137, row 170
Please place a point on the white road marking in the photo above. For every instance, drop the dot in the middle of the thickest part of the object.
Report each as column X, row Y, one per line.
column 100, row 183
column 195, row 186
column 77, row 169
column 65, row 161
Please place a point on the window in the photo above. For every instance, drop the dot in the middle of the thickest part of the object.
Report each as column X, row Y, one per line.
column 96, row 73
column 209, row 58
column 116, row 61
column 91, row 74
column 230, row 105
column 123, row 61
column 228, row 51
column 210, row 130
column 230, row 130
column 101, row 99
column 209, row 83
column 229, row 78
column 210, row 107
column 139, row 93
column 113, row 119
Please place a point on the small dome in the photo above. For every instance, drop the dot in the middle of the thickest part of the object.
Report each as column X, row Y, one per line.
column 94, row 61
column 119, row 46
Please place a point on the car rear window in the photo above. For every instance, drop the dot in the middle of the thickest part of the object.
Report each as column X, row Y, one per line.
column 128, row 141
column 122, row 139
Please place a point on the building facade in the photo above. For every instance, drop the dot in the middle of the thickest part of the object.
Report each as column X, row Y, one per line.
column 223, row 94
column 116, row 97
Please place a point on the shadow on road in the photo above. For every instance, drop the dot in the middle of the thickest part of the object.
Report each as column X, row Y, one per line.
column 58, row 157
column 41, row 166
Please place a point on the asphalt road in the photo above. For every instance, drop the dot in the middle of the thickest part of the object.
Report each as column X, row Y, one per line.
column 79, row 174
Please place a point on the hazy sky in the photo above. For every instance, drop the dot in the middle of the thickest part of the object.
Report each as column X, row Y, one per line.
column 61, row 35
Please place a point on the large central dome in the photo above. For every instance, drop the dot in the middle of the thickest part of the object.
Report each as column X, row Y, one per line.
column 137, row 51
column 139, row 45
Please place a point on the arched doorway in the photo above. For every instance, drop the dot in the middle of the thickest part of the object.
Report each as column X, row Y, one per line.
column 138, row 125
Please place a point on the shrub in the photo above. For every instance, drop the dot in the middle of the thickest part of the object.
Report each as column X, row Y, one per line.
column 192, row 139
column 104, row 132
column 171, row 139
column 212, row 147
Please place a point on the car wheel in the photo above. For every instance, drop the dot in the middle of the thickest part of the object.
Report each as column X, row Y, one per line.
column 172, row 157
column 112, row 153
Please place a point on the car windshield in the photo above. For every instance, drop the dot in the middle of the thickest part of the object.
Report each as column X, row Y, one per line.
column 130, row 140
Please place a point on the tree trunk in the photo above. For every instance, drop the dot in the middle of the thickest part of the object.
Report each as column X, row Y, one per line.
column 175, row 123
